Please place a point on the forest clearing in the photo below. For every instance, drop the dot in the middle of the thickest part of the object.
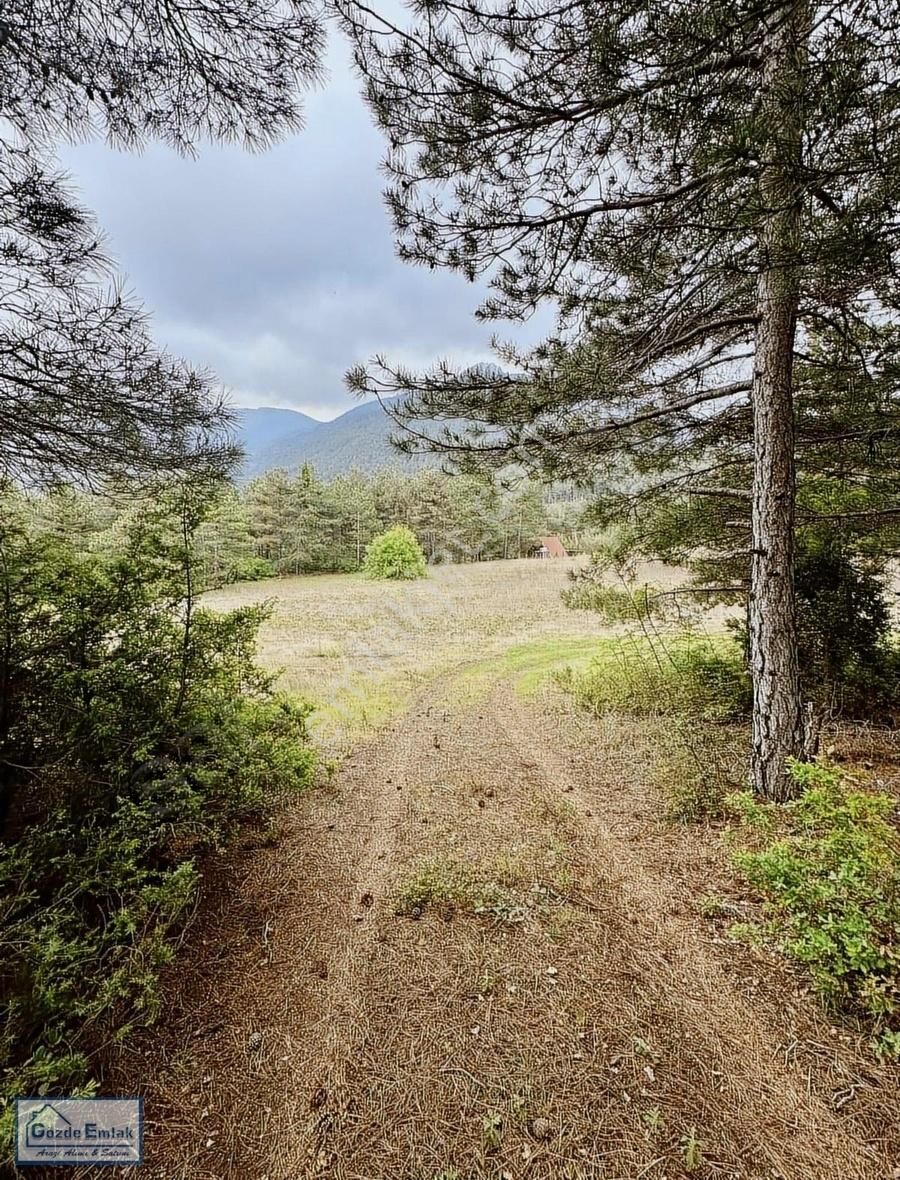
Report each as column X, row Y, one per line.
column 481, row 948
column 361, row 649
column 449, row 633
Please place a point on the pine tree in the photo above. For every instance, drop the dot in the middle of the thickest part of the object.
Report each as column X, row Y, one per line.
column 701, row 189
column 84, row 393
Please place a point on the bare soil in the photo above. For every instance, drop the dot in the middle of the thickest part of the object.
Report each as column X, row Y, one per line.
column 481, row 951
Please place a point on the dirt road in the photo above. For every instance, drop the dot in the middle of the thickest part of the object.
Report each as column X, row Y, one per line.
column 481, row 953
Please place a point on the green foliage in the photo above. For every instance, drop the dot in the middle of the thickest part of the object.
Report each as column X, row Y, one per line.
column 395, row 554
column 614, row 605
column 251, row 569
column 135, row 731
column 849, row 661
column 828, row 865
column 696, row 677
column 844, row 622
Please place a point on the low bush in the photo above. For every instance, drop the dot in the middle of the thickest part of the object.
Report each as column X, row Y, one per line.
column 696, row 677
column 395, row 554
column 135, row 732
column 828, row 866
column 250, row 569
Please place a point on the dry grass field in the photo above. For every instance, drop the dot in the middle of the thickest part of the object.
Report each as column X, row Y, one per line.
column 361, row 649
column 480, row 951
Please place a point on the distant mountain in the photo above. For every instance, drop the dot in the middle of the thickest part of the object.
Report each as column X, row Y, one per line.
column 259, row 428
column 356, row 439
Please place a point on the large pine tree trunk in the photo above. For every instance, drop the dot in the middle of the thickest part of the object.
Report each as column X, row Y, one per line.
column 778, row 729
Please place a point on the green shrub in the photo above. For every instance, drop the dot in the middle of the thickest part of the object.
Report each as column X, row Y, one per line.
column 251, row 569
column 395, row 554
column 701, row 678
column 828, row 866
column 844, row 629
column 135, row 732
column 849, row 658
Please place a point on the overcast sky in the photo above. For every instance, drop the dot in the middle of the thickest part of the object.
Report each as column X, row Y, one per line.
column 278, row 270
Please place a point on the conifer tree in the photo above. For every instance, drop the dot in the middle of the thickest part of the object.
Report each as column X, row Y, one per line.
column 709, row 194
column 84, row 393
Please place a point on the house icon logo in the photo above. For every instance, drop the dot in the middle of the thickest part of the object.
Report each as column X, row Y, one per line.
column 43, row 1123
column 58, row 1131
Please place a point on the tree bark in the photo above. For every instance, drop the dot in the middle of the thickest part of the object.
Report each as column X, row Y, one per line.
column 778, row 722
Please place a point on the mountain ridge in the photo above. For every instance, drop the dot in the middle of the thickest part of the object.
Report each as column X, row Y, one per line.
column 357, row 439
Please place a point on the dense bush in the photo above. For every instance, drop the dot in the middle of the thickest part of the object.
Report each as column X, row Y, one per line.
column 250, row 569
column 848, row 661
column 696, row 677
column 395, row 554
column 135, row 731
column 828, row 865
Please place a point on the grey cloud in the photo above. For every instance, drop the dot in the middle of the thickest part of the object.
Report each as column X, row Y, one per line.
column 278, row 270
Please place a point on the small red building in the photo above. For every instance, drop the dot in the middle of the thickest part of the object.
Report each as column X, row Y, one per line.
column 551, row 547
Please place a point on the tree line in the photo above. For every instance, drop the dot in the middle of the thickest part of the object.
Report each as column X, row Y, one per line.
column 283, row 523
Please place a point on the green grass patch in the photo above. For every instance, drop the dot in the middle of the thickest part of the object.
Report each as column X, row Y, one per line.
column 526, row 665
column 359, row 708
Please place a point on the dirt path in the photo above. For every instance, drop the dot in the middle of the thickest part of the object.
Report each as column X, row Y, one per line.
column 479, row 954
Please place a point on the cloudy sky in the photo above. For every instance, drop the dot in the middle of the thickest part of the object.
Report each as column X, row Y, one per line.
column 278, row 270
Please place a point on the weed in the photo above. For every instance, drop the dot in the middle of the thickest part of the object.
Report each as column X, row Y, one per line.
column 518, row 1106
column 511, row 869
column 692, row 1150
column 487, row 983
column 653, row 1120
column 712, row 906
column 828, row 866
column 561, row 814
column 446, row 885
column 701, row 678
column 642, row 1048
column 492, row 1131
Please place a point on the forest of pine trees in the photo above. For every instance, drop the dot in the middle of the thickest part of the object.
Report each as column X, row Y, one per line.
column 283, row 523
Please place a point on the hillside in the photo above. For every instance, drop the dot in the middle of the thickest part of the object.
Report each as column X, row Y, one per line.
column 261, row 427
column 357, row 439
